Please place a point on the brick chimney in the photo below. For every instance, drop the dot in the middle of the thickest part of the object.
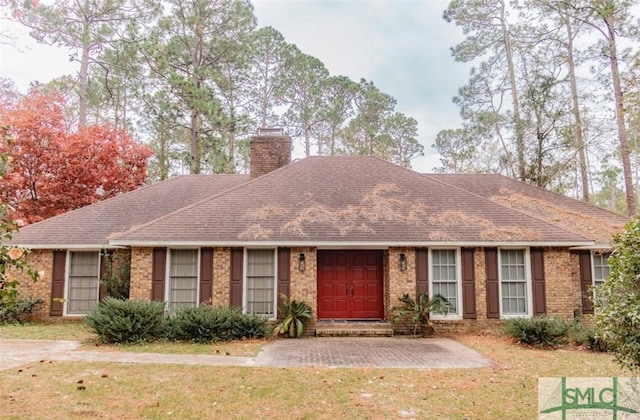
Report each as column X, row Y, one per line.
column 270, row 150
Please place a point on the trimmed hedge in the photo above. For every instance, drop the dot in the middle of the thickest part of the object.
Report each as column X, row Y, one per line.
column 204, row 324
column 127, row 321
column 135, row 321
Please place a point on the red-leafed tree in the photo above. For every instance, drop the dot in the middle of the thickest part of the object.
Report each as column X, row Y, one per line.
column 52, row 171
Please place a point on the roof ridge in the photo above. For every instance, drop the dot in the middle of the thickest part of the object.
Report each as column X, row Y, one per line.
column 510, row 208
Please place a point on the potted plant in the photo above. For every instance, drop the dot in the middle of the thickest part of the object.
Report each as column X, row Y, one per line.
column 419, row 310
column 294, row 312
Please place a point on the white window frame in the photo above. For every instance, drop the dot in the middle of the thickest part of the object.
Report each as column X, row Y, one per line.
column 67, row 282
column 598, row 282
column 245, row 282
column 528, row 287
column 167, row 281
column 458, row 314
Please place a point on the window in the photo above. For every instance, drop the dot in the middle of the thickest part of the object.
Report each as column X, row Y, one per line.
column 514, row 283
column 183, row 279
column 445, row 277
column 84, row 281
column 601, row 268
column 260, row 288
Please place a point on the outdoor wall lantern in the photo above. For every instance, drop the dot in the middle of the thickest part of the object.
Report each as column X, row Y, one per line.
column 403, row 262
column 301, row 263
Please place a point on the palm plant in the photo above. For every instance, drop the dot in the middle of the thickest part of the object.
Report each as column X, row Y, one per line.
column 419, row 310
column 294, row 312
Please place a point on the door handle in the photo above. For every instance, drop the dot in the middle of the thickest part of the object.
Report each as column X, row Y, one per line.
column 353, row 289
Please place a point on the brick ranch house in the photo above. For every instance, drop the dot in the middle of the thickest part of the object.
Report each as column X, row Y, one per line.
column 347, row 234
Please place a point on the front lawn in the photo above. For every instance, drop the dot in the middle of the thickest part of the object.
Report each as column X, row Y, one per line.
column 77, row 330
column 508, row 389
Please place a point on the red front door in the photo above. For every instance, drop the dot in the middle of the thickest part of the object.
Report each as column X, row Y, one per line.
column 350, row 285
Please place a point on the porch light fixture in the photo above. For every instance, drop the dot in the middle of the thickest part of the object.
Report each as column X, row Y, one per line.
column 301, row 263
column 403, row 262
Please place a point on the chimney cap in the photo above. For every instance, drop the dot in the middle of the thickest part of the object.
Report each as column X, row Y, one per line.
column 270, row 131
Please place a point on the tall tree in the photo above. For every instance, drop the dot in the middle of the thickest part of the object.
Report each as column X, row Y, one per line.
column 52, row 170
column 338, row 94
column 489, row 36
column 83, row 26
column 303, row 83
column 456, row 149
column 403, row 132
column 186, row 54
column 268, row 70
column 365, row 133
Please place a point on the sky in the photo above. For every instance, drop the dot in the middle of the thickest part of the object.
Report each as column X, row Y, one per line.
column 402, row 46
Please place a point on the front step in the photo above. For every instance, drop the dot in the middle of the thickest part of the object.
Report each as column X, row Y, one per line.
column 354, row 329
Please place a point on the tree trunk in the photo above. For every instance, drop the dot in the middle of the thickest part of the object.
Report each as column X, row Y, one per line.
column 622, row 130
column 83, row 87
column 194, row 148
column 579, row 131
column 514, row 95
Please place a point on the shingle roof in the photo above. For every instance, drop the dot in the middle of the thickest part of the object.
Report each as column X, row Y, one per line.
column 577, row 216
column 347, row 199
column 97, row 223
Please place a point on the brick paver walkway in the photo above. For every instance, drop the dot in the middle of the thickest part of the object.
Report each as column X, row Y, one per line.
column 385, row 352
column 393, row 352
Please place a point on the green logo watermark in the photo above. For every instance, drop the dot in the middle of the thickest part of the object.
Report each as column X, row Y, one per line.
column 588, row 398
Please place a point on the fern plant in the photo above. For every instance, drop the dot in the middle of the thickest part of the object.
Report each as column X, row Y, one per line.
column 294, row 312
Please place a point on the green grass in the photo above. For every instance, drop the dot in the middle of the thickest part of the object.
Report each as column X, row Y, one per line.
column 508, row 389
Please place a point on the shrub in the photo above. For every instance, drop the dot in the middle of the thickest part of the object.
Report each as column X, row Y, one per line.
column 617, row 303
column 537, row 331
column 127, row 321
column 204, row 324
column 586, row 335
column 19, row 310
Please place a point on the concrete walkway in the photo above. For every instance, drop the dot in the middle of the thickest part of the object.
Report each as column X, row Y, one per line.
column 329, row 352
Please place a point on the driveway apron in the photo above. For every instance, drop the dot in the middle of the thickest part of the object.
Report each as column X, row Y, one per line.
column 336, row 352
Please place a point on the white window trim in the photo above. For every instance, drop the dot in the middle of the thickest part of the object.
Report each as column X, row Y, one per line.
column 528, row 285
column 449, row 316
column 593, row 266
column 167, row 288
column 67, row 272
column 245, row 260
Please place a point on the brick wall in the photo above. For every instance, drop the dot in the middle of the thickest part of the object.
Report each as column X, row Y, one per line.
column 40, row 260
column 268, row 153
column 576, row 282
column 303, row 284
column 141, row 265
column 397, row 283
column 221, row 276
column 559, row 285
